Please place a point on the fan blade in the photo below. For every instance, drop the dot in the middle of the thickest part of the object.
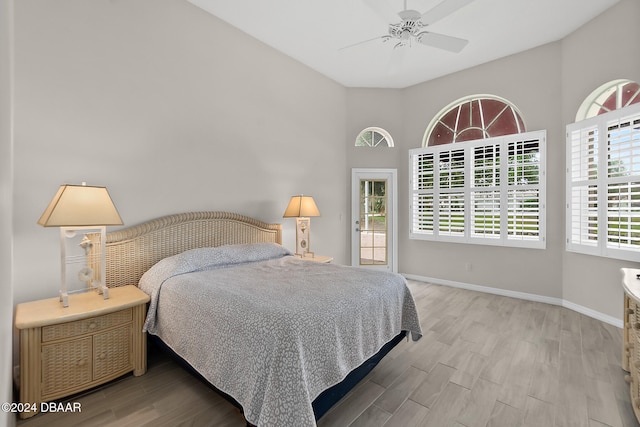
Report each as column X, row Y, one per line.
column 383, row 9
column 447, row 7
column 452, row 44
column 362, row 42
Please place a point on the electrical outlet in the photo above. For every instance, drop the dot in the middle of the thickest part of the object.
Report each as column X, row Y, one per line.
column 468, row 266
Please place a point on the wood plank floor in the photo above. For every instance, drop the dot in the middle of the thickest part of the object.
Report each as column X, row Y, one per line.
column 484, row 360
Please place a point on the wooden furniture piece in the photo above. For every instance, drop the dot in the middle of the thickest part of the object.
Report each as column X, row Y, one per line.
column 65, row 350
column 319, row 258
column 631, row 334
column 130, row 252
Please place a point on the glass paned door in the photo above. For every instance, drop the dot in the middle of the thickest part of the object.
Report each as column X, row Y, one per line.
column 373, row 213
column 373, row 222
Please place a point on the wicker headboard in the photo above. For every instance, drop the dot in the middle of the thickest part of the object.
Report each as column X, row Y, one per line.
column 132, row 251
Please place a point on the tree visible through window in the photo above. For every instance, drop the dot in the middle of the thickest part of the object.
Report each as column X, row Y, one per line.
column 488, row 187
column 374, row 137
column 490, row 191
column 603, row 173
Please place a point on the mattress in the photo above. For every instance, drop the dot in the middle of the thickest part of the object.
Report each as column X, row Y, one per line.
column 271, row 330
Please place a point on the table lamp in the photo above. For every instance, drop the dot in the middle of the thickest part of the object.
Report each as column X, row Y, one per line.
column 89, row 210
column 301, row 208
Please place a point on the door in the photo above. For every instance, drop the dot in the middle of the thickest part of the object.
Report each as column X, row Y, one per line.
column 373, row 218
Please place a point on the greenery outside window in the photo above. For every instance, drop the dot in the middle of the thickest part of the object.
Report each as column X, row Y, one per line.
column 603, row 185
column 490, row 191
column 374, row 137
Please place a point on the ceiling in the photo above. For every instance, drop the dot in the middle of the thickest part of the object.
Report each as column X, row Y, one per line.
column 317, row 32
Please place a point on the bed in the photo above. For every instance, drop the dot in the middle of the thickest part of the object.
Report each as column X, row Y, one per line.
column 283, row 337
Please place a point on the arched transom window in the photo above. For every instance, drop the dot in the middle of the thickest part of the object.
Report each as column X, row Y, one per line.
column 374, row 137
column 474, row 117
column 610, row 96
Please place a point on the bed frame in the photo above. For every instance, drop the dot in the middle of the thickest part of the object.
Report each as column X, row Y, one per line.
column 130, row 252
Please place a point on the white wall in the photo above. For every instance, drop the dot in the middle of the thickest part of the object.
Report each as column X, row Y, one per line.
column 531, row 80
column 6, row 203
column 548, row 84
column 603, row 50
column 173, row 110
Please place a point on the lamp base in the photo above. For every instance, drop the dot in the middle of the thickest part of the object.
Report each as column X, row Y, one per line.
column 307, row 254
column 100, row 289
column 82, row 259
column 303, row 231
column 104, row 291
column 64, row 298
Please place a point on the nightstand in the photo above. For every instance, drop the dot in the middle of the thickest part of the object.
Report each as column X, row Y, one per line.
column 65, row 350
column 318, row 258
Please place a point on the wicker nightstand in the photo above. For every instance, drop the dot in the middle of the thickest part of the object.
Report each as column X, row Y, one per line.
column 631, row 334
column 67, row 350
column 318, row 258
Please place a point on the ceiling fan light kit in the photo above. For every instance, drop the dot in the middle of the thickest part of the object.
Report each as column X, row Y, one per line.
column 411, row 28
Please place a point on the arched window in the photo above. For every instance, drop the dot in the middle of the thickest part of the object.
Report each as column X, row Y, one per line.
column 489, row 187
column 473, row 117
column 610, row 96
column 374, row 137
column 603, row 179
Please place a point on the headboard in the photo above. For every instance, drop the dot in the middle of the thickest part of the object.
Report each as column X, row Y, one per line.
column 131, row 251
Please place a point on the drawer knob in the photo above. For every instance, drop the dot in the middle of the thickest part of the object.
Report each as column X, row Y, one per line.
column 628, row 379
column 102, row 356
column 630, row 311
column 81, row 362
column 92, row 325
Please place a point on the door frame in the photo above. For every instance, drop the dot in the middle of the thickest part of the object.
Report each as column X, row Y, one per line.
column 392, row 217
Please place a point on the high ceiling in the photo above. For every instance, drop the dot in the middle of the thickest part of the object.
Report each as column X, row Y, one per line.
column 317, row 32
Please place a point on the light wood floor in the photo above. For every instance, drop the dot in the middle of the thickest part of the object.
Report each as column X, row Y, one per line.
column 484, row 360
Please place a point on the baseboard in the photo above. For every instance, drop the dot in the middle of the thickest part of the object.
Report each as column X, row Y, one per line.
column 521, row 295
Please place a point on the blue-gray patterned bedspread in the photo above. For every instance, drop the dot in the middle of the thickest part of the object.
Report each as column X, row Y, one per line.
column 271, row 330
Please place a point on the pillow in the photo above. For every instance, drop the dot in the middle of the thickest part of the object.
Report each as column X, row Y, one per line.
column 198, row 260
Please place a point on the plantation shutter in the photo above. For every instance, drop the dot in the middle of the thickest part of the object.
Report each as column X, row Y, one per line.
column 524, row 200
column 603, row 185
column 489, row 191
column 485, row 192
column 451, row 201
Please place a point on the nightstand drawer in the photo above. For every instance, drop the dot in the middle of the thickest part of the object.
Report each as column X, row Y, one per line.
column 67, row 350
column 80, row 327
column 65, row 366
column 112, row 352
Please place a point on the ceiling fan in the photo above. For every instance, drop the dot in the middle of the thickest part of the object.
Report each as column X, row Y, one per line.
column 412, row 26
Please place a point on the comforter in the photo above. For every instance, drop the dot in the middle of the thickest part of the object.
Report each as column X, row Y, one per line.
column 271, row 330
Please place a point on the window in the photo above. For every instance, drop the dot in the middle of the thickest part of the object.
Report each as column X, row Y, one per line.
column 610, row 96
column 491, row 191
column 603, row 184
column 472, row 118
column 374, row 137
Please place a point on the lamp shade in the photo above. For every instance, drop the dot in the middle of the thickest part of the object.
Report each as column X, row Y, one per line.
column 301, row 206
column 80, row 206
